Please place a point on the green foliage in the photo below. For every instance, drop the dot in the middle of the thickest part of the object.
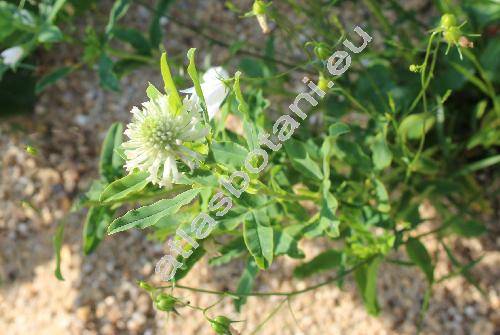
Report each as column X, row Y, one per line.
column 410, row 123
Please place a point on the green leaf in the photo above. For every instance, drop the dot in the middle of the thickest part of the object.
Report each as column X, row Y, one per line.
column 414, row 126
column 111, row 163
column 338, row 128
column 242, row 105
column 155, row 29
column 327, row 260
column 188, row 263
column 169, row 81
column 56, row 7
column 57, row 241
column 381, row 154
column 366, row 280
column 107, row 77
column 118, row 10
column 193, row 74
column 229, row 154
column 469, row 228
column 286, row 241
column 382, row 197
column 258, row 235
column 418, row 254
column 301, row 160
column 246, row 282
column 51, row 78
column 50, row 34
column 147, row 216
column 353, row 154
column 121, row 189
column 134, row 38
column 328, row 221
column 230, row 251
column 251, row 132
column 152, row 92
column 96, row 223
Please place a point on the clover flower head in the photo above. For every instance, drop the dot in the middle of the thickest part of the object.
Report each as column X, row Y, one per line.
column 159, row 134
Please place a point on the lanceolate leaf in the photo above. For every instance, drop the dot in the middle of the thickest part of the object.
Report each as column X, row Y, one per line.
column 328, row 221
column 301, row 160
column 57, row 241
column 193, row 74
column 120, row 189
column 366, row 280
column 155, row 29
column 96, row 223
column 230, row 251
column 258, row 235
column 327, row 260
column 242, row 105
column 418, row 254
column 119, row 9
column 286, row 241
column 51, row 78
column 147, row 216
column 110, row 163
column 229, row 154
column 338, row 129
column 108, row 78
column 188, row 263
column 246, row 282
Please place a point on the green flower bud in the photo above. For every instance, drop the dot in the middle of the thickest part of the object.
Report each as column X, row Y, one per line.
column 221, row 325
column 145, row 286
column 452, row 35
column 448, row 21
column 165, row 302
column 31, row 150
column 322, row 51
column 323, row 83
column 259, row 7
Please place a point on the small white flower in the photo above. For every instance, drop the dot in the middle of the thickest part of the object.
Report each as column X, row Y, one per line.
column 214, row 89
column 157, row 137
column 12, row 55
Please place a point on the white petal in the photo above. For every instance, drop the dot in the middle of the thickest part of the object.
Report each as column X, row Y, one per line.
column 12, row 55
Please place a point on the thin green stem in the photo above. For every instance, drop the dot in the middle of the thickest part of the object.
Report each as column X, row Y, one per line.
column 269, row 317
column 342, row 274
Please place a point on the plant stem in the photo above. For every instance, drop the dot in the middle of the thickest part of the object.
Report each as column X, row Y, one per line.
column 268, row 294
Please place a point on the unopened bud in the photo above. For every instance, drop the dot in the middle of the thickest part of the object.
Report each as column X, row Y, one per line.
column 165, row 302
column 31, row 150
column 221, row 325
column 415, row 68
column 323, row 83
column 448, row 21
column 259, row 10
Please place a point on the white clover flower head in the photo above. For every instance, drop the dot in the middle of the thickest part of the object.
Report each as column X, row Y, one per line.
column 214, row 89
column 12, row 55
column 158, row 134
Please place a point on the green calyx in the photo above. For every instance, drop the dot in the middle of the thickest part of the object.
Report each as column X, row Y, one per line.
column 220, row 324
column 448, row 21
column 452, row 35
column 259, row 7
column 165, row 302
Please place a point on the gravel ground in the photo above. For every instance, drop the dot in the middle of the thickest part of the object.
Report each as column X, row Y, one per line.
column 100, row 295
